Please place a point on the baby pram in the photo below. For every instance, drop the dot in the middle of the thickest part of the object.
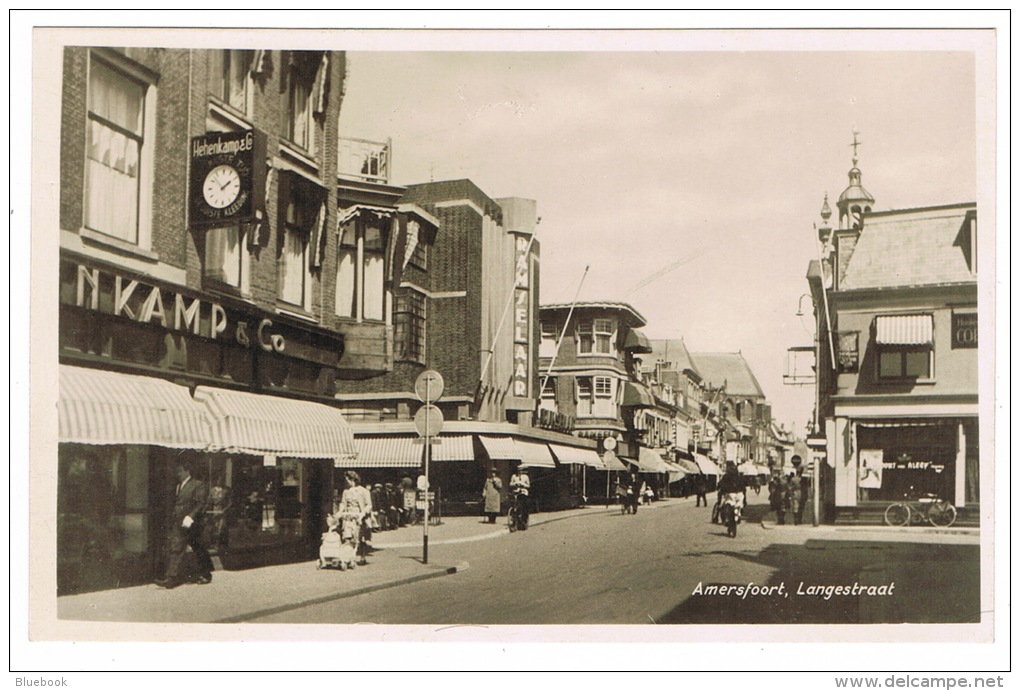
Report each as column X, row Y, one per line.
column 340, row 542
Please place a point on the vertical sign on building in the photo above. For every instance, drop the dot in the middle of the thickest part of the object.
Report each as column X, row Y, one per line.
column 522, row 317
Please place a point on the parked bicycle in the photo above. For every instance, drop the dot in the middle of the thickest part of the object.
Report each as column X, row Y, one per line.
column 929, row 507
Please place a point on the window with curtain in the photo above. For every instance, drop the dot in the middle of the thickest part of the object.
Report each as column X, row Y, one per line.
column 548, row 401
column 227, row 259
column 584, row 338
column 604, row 404
column 584, row 397
column 295, row 277
column 547, row 346
column 604, row 329
column 409, row 325
column 375, row 274
column 361, row 269
column 300, row 120
column 346, row 270
column 115, row 137
column 228, row 77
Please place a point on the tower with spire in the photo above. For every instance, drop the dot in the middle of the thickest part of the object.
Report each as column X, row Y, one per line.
column 855, row 201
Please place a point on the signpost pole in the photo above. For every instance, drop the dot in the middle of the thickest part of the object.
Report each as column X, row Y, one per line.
column 428, row 454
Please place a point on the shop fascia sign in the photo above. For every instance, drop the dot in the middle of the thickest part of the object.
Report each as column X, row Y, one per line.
column 522, row 316
column 173, row 310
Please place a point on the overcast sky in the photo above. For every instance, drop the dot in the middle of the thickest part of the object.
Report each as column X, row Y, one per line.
column 704, row 168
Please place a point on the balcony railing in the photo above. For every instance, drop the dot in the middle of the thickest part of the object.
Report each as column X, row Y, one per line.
column 362, row 159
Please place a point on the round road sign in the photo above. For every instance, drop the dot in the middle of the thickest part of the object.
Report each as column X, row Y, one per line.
column 428, row 421
column 429, row 386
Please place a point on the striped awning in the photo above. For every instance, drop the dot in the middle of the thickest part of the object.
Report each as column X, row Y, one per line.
column 270, row 425
column 534, row 455
column 387, row 452
column 705, row 465
column 651, row 462
column 572, row 455
column 910, row 329
column 500, row 448
column 101, row 407
column 453, row 448
column 612, row 462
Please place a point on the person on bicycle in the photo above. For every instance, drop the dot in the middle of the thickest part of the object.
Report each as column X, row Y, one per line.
column 731, row 483
column 520, row 487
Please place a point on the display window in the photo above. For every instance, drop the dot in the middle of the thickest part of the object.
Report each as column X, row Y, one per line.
column 909, row 460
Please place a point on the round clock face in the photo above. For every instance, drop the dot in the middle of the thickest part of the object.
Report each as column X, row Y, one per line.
column 222, row 186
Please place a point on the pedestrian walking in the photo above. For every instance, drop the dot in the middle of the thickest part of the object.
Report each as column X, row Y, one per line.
column 491, row 495
column 777, row 498
column 701, row 489
column 185, row 529
column 357, row 500
column 794, row 500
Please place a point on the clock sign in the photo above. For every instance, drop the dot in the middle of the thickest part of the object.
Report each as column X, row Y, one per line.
column 227, row 177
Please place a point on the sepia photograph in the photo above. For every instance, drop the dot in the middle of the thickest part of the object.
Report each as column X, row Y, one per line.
column 676, row 336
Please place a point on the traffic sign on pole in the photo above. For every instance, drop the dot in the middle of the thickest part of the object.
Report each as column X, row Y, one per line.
column 429, row 386
column 428, row 421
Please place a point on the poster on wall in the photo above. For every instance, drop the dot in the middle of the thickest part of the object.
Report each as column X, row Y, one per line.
column 870, row 469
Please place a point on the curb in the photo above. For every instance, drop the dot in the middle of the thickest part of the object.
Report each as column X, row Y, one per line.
column 257, row 614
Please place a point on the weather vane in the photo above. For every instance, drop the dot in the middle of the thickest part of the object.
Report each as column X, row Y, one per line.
column 856, row 144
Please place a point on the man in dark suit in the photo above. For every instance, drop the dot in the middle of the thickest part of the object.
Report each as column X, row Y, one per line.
column 186, row 530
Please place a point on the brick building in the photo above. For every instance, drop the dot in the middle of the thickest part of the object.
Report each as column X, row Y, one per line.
column 895, row 300
column 476, row 286
column 212, row 301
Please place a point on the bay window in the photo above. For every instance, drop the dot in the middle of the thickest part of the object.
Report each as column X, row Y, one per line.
column 361, row 268
column 596, row 397
column 596, row 337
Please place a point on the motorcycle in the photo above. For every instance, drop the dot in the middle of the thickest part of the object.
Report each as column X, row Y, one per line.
column 729, row 511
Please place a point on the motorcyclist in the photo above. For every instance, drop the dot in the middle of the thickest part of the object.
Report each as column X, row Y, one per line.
column 520, row 486
column 731, row 483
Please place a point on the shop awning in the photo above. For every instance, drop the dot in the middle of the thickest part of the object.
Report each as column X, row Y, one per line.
column 500, row 448
column 637, row 342
column 263, row 425
column 910, row 329
column 690, row 466
column 610, row 460
column 651, row 462
column 747, row 469
column 387, row 452
column 453, row 448
column 676, row 472
column 102, row 407
column 705, row 465
column 534, row 455
column 573, row 455
column 636, row 396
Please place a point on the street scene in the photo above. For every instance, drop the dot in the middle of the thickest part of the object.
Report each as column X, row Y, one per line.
column 668, row 337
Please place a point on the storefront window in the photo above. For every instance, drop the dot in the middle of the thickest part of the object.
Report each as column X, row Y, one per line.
column 912, row 460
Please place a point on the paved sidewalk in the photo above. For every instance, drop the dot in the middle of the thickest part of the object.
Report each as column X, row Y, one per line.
column 237, row 596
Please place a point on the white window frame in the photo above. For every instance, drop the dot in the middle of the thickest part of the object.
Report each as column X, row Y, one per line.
column 129, row 71
column 604, row 396
column 606, row 329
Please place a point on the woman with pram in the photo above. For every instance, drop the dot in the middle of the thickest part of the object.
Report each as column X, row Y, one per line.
column 351, row 518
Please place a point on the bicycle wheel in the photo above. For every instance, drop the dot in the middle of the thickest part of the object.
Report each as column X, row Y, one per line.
column 511, row 518
column 941, row 514
column 897, row 514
